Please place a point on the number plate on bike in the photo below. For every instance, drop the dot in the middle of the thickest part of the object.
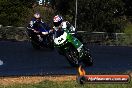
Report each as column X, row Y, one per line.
column 60, row 39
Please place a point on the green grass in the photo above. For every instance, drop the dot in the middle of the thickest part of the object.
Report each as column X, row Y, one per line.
column 128, row 37
column 128, row 29
column 67, row 84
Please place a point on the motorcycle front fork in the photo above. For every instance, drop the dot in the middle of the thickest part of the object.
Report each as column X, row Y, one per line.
column 80, row 51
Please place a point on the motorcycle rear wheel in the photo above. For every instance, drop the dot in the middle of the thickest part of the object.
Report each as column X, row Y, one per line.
column 87, row 58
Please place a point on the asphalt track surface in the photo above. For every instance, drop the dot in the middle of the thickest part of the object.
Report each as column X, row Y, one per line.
column 20, row 59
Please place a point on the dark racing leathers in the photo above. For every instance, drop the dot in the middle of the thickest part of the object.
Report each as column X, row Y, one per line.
column 39, row 27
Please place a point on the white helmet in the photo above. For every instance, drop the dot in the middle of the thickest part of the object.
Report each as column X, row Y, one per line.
column 57, row 20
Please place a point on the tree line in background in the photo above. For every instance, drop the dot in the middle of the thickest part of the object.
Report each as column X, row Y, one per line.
column 93, row 15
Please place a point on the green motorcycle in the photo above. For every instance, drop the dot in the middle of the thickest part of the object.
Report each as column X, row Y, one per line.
column 74, row 51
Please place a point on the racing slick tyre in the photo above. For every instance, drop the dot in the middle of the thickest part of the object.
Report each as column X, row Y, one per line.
column 72, row 57
column 35, row 45
column 87, row 59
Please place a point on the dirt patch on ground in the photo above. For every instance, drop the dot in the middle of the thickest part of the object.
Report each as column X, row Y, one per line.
column 33, row 79
column 36, row 79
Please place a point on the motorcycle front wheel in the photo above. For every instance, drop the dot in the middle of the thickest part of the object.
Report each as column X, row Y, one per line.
column 51, row 43
column 35, row 45
column 72, row 57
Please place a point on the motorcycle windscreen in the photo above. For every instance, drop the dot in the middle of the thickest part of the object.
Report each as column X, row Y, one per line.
column 40, row 27
column 58, row 33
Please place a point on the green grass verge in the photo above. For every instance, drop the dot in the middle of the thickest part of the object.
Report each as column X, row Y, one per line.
column 67, row 84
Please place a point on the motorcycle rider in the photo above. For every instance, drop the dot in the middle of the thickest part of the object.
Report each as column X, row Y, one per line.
column 33, row 25
column 60, row 25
